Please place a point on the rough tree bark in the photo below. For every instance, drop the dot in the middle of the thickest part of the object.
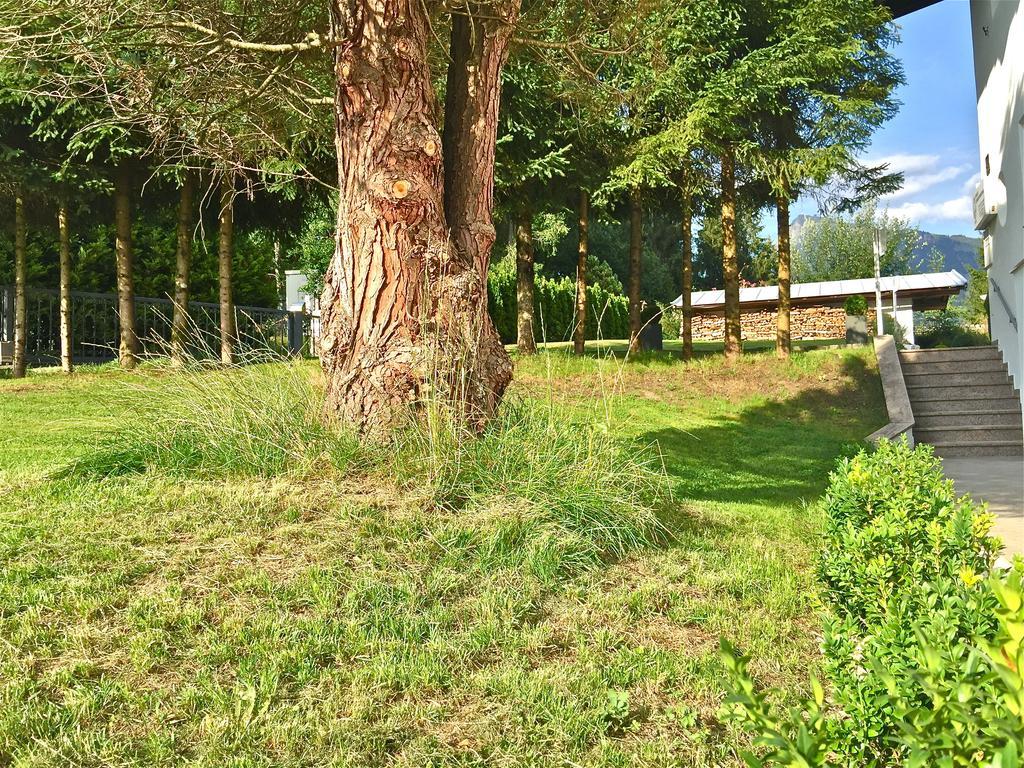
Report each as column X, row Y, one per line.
column 405, row 308
column 225, row 249
column 635, row 252
column 128, row 342
column 730, row 266
column 20, row 277
column 783, row 342
column 64, row 236
column 526, row 342
column 579, row 339
column 182, row 270
column 686, row 210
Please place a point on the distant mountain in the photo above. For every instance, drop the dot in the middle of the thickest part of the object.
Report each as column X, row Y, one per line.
column 958, row 251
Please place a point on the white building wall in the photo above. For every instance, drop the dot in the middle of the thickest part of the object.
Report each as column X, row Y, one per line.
column 997, row 28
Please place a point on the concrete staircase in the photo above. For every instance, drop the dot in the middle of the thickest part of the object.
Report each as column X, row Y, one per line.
column 964, row 401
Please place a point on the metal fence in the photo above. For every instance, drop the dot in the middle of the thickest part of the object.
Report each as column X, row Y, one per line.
column 95, row 326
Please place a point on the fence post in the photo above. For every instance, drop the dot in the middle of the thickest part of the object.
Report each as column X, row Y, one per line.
column 295, row 333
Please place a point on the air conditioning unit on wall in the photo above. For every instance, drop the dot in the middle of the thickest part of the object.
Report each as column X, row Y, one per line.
column 984, row 214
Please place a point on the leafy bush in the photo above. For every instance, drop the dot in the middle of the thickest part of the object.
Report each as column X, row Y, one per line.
column 671, row 319
column 554, row 307
column 856, row 305
column 948, row 328
column 922, row 649
column 893, row 521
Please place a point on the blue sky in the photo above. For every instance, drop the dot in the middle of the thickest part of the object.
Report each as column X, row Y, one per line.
column 934, row 137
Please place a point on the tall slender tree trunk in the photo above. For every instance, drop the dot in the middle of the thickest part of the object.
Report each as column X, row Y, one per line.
column 404, row 305
column 182, row 270
column 64, row 233
column 225, row 250
column 20, row 278
column 579, row 339
column 636, row 234
column 526, row 341
column 730, row 265
column 279, row 272
column 783, row 342
column 129, row 342
column 687, row 291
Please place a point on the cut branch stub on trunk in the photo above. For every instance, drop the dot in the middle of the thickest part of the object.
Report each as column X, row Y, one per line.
column 404, row 308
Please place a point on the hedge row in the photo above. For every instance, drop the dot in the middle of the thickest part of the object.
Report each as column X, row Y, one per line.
column 554, row 309
column 923, row 638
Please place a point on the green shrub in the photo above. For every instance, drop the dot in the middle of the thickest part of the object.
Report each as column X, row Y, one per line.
column 671, row 319
column 922, row 648
column 555, row 307
column 856, row 305
column 947, row 328
column 893, row 521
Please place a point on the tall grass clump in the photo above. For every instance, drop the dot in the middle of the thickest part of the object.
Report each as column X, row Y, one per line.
column 540, row 482
column 540, row 466
column 262, row 418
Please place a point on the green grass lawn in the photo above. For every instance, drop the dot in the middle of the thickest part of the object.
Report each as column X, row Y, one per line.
column 346, row 617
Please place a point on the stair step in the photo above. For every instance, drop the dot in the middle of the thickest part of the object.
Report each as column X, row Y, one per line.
column 968, row 435
column 995, row 448
column 1000, row 417
column 913, row 367
column 930, row 392
column 968, row 377
column 961, row 404
column 951, row 353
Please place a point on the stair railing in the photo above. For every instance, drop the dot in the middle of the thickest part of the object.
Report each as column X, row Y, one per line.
column 1006, row 306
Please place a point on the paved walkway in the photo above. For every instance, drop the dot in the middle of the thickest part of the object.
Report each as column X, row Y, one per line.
column 999, row 480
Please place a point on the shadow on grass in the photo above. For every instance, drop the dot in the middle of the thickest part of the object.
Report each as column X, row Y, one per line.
column 776, row 452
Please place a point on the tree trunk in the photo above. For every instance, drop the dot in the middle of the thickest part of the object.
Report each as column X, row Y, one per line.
column 526, row 342
column 20, row 277
column 783, row 343
column 635, row 252
column 129, row 342
column 478, row 52
column 64, row 232
column 687, row 291
column 182, row 271
column 579, row 339
column 279, row 273
column 404, row 307
column 225, row 249
column 730, row 266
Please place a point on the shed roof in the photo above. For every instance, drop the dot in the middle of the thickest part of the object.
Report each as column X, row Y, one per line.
column 930, row 285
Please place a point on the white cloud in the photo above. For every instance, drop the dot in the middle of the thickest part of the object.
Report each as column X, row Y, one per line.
column 920, row 172
column 972, row 182
column 957, row 209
